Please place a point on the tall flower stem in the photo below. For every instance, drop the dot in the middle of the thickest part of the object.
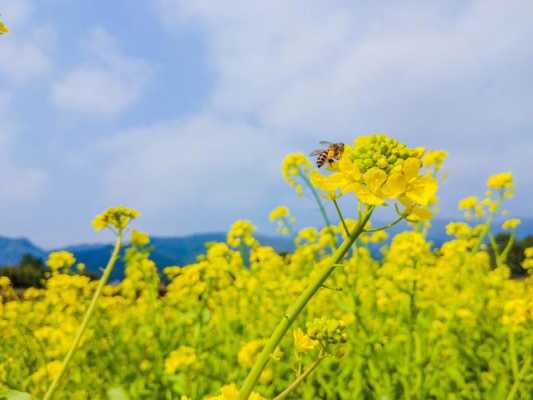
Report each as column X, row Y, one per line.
column 300, row 378
column 316, row 197
column 103, row 280
column 294, row 311
column 341, row 217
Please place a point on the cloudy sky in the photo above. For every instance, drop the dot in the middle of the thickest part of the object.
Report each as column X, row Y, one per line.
column 185, row 109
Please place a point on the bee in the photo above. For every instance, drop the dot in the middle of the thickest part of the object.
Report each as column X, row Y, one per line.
column 331, row 153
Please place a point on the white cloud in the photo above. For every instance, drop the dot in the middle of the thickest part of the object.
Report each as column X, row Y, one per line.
column 26, row 49
column 197, row 162
column 107, row 84
column 440, row 74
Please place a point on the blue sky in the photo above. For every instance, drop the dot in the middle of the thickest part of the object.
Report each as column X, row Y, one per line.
column 185, row 109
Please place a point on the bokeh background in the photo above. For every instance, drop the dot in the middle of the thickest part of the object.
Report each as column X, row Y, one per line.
column 185, row 109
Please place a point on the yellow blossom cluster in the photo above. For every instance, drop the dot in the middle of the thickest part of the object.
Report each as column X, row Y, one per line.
column 295, row 165
column 378, row 169
column 115, row 217
column 414, row 320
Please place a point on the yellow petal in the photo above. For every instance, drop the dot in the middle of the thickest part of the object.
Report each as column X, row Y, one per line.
column 365, row 195
column 411, row 166
column 422, row 190
column 395, row 185
column 349, row 169
column 420, row 214
column 374, row 179
column 3, row 28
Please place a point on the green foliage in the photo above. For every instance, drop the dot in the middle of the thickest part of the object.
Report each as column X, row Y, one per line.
column 516, row 254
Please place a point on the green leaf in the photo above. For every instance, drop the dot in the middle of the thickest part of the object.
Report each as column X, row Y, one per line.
column 117, row 393
column 8, row 394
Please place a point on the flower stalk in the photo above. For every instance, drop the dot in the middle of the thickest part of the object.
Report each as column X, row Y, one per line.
column 88, row 314
column 294, row 311
column 300, row 378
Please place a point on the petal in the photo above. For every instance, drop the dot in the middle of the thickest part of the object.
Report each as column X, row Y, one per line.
column 420, row 214
column 422, row 190
column 327, row 183
column 395, row 185
column 411, row 166
column 375, row 178
column 349, row 168
column 365, row 195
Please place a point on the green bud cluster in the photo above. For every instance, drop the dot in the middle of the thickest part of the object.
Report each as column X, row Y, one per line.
column 327, row 331
column 380, row 151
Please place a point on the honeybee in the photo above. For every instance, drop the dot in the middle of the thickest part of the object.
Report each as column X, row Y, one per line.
column 331, row 153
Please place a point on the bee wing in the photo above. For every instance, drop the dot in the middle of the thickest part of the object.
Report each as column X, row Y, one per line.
column 326, row 143
column 316, row 152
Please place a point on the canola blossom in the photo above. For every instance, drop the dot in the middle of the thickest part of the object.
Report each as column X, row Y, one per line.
column 329, row 320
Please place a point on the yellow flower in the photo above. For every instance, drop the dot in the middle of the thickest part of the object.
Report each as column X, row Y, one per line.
column 139, row 238
column 241, row 233
column 293, row 165
column 60, row 260
column 405, row 182
column 117, row 217
column 378, row 168
column 435, row 158
column 501, row 181
column 467, row 203
column 511, row 224
column 302, row 342
column 3, row 28
column 182, row 357
column 249, row 351
column 279, row 212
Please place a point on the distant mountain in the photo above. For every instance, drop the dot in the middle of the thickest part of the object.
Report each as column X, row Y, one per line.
column 12, row 250
column 184, row 250
column 167, row 250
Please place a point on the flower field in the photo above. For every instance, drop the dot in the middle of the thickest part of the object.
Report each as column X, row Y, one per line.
column 328, row 321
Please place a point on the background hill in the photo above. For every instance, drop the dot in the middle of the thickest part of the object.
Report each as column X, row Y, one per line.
column 183, row 250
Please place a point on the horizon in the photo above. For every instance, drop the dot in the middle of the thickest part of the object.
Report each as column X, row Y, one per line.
column 188, row 118
column 521, row 232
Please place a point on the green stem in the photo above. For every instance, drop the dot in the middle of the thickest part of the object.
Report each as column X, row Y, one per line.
column 103, row 280
column 508, row 247
column 339, row 212
column 295, row 310
column 316, row 196
column 516, row 383
column 488, row 225
column 382, row 228
column 300, row 378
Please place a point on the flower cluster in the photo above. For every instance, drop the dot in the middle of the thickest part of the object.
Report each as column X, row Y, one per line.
column 294, row 165
column 180, row 358
column 60, row 260
column 377, row 169
column 115, row 217
column 241, row 233
column 327, row 331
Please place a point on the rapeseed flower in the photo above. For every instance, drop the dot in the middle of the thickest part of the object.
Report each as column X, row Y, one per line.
column 502, row 181
column 139, row 238
column 182, row 357
column 302, row 342
column 511, row 224
column 377, row 169
column 115, row 217
column 279, row 212
column 294, row 165
column 58, row 260
column 3, row 28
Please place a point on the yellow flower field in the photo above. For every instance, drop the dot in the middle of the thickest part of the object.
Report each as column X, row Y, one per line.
column 328, row 321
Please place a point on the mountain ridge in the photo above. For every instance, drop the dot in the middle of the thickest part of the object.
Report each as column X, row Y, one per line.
column 182, row 250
